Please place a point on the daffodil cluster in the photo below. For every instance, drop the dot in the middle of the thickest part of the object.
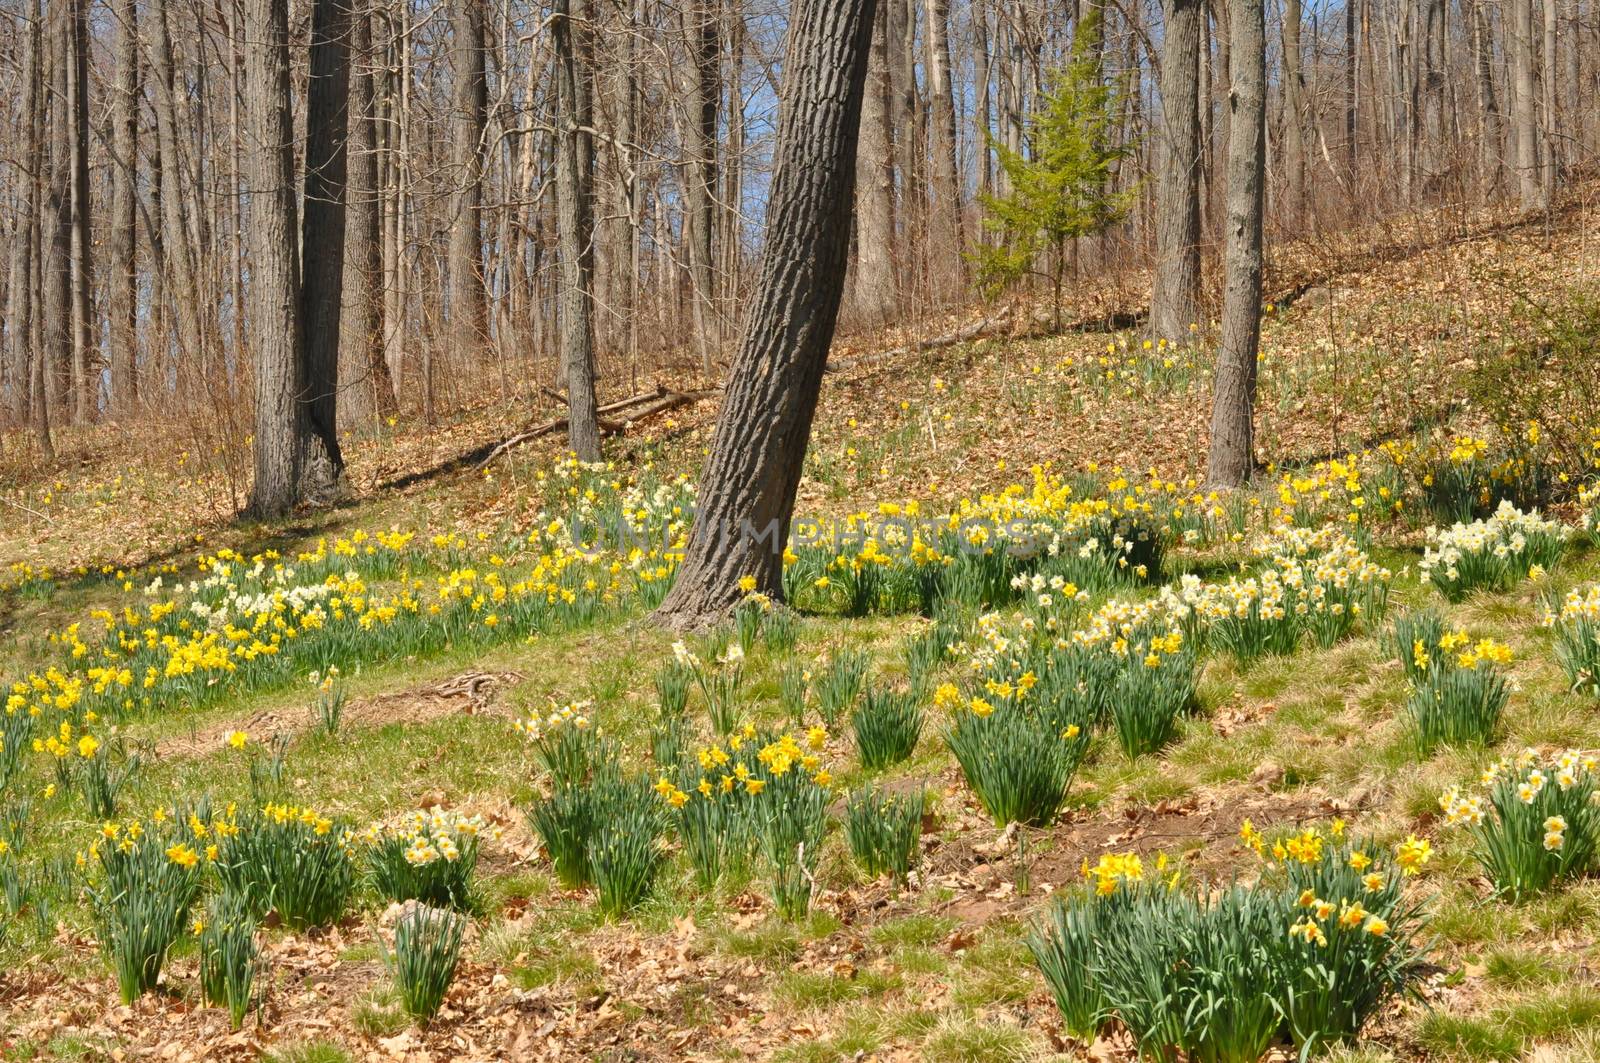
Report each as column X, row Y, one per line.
column 1535, row 822
column 1493, row 553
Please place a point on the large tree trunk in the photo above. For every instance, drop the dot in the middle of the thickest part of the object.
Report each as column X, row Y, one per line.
column 469, row 307
column 362, row 370
column 1232, row 456
column 748, row 489
column 275, row 322
column 320, row 465
column 872, row 287
column 1174, row 300
column 124, row 278
column 1524, row 121
column 575, row 199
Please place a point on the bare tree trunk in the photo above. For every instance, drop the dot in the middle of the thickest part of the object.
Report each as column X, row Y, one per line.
column 320, row 465
column 124, row 279
column 700, row 21
column 944, row 212
column 1350, row 88
column 1432, row 163
column 177, row 265
column 872, row 288
column 1232, row 457
column 1551, row 156
column 367, row 391
column 575, row 197
column 748, row 489
column 1294, row 87
column 1174, row 300
column 57, row 304
column 275, row 321
column 27, row 354
column 1491, row 137
column 1523, row 107
column 85, row 331
column 469, row 307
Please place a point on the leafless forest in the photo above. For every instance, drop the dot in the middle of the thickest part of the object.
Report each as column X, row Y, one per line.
column 287, row 220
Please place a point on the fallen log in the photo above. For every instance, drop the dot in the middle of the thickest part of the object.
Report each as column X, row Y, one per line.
column 665, row 400
column 949, row 339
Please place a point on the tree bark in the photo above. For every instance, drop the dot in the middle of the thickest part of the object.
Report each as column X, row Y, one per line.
column 700, row 24
column 1294, row 86
column 177, row 256
column 1491, row 137
column 1432, row 155
column 320, row 465
column 469, row 307
column 873, row 298
column 1551, row 155
column 27, row 355
column 124, row 270
column 275, row 321
column 57, row 304
column 368, row 392
column 1174, row 300
column 1524, row 119
column 945, row 210
column 85, row 330
column 748, row 489
column 570, row 29
column 1232, row 456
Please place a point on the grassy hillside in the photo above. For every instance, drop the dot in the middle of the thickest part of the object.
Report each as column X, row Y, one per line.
column 168, row 661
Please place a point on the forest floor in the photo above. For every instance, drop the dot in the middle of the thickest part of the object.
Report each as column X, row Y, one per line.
column 1396, row 337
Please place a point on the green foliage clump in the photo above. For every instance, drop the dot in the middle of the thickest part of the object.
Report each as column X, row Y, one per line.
column 149, row 876
column 1019, row 765
column 292, row 860
column 887, row 726
column 427, row 947
column 229, row 956
column 883, row 828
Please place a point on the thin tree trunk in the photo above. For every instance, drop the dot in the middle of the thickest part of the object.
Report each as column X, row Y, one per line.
column 1232, row 457
column 57, row 304
column 177, row 259
column 700, row 30
column 1294, row 151
column 469, row 307
column 124, row 268
column 1549, row 67
column 945, row 210
column 275, row 321
column 320, row 465
column 748, row 489
column 1174, row 301
column 1432, row 140
column 1523, row 106
column 872, row 288
column 85, row 330
column 570, row 30
column 1491, row 137
column 27, row 354
column 367, row 391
